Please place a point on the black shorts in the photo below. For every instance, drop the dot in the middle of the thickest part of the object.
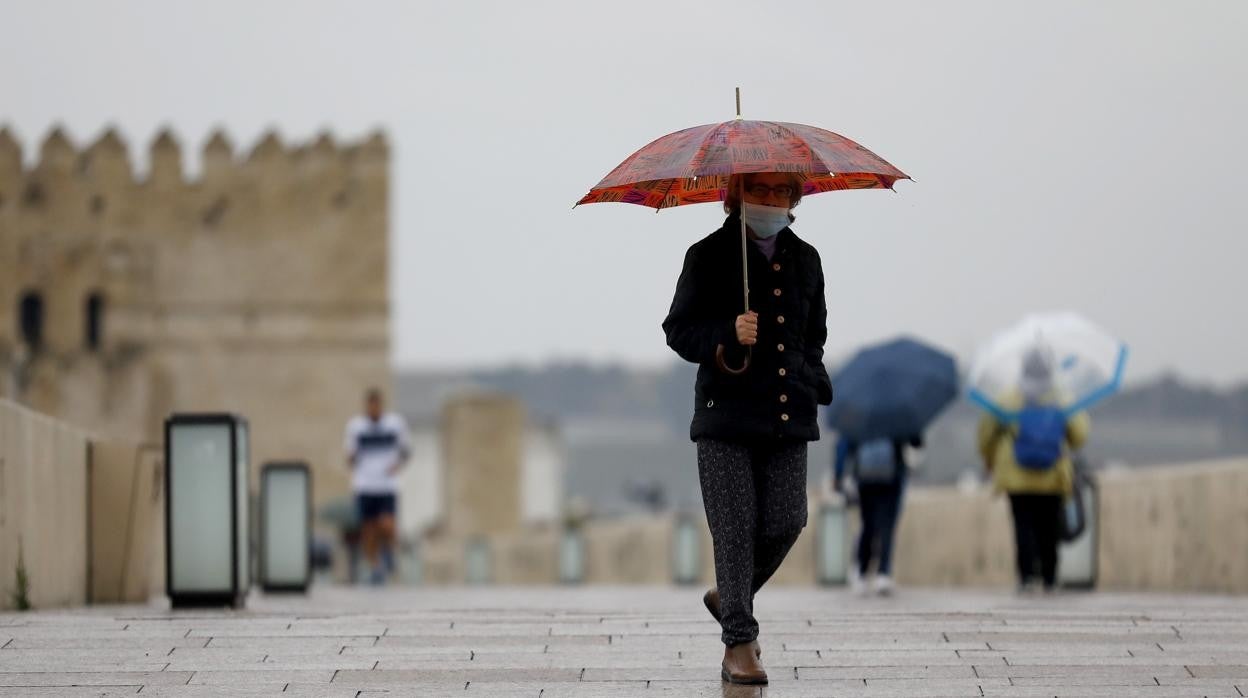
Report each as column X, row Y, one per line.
column 372, row 506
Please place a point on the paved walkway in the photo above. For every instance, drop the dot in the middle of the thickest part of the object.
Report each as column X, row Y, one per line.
column 544, row 643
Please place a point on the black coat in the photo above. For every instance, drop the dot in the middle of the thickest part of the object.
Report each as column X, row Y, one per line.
column 778, row 397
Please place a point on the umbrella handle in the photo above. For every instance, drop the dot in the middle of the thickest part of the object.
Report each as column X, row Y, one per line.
column 722, row 365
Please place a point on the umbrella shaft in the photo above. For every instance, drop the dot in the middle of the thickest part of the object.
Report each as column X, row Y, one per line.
column 745, row 264
column 745, row 269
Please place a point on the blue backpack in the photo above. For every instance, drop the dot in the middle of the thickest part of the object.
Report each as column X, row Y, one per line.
column 1041, row 433
column 877, row 463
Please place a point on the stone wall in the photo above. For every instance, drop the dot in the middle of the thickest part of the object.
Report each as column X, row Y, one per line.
column 483, row 447
column 87, row 515
column 43, row 508
column 952, row 537
column 127, row 487
column 1176, row 529
column 1172, row 528
column 1181, row 528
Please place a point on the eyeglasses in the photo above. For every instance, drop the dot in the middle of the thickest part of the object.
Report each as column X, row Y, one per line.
column 761, row 191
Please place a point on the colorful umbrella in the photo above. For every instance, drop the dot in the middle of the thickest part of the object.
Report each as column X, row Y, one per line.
column 693, row 166
column 1087, row 363
column 892, row 390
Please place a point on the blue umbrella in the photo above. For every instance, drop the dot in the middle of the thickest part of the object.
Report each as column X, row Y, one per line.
column 892, row 390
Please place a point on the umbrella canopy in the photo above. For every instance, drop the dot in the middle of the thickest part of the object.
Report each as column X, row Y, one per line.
column 892, row 390
column 1084, row 363
column 693, row 166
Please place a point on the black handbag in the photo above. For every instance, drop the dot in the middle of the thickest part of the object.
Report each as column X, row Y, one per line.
column 1074, row 516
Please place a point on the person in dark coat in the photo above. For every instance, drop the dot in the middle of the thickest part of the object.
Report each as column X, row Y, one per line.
column 752, row 427
column 880, row 492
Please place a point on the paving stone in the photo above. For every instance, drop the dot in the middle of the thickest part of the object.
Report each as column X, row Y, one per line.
column 83, row 665
column 1171, row 659
column 156, row 646
column 431, row 653
column 288, row 644
column 798, row 642
column 260, row 677
column 578, row 689
column 340, row 627
column 846, row 657
column 331, row 662
column 1109, row 692
column 882, row 687
column 70, row 691
column 1000, row 640
column 538, row 643
column 1225, row 671
column 1177, row 645
column 624, row 689
column 291, row 689
column 713, row 687
column 453, row 675
column 94, row 678
column 1058, row 682
column 103, row 654
column 221, row 654
column 486, row 630
column 652, row 674
column 541, row 662
column 1142, row 668
column 885, row 672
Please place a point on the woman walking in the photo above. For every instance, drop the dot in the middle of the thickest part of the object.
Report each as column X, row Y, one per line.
column 752, row 426
column 1032, row 462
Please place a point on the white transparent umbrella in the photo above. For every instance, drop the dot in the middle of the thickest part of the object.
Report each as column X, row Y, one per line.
column 1088, row 363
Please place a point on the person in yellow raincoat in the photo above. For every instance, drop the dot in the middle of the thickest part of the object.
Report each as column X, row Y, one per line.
column 1036, row 491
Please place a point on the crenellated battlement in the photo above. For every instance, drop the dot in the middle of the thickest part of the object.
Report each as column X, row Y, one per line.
column 107, row 159
column 207, row 251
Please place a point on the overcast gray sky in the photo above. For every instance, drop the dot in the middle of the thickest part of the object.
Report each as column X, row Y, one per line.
column 1069, row 154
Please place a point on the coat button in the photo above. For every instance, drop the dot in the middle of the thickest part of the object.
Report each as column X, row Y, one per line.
column 775, row 267
column 776, row 292
column 780, row 319
column 779, row 347
column 784, row 398
column 784, row 417
column 783, row 372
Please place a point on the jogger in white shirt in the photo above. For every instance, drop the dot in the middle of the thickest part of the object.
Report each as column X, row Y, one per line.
column 377, row 447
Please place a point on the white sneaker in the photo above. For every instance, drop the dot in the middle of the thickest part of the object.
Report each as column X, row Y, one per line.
column 857, row 585
column 1028, row 588
column 884, row 585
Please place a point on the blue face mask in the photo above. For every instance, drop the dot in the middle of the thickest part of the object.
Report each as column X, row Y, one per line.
column 765, row 221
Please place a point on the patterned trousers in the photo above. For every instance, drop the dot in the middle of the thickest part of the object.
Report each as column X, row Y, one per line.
column 755, row 500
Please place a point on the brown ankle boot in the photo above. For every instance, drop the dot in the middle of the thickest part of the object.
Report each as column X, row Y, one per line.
column 741, row 665
column 711, row 600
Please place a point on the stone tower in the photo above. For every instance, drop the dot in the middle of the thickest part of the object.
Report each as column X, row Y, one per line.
column 483, row 441
column 259, row 288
